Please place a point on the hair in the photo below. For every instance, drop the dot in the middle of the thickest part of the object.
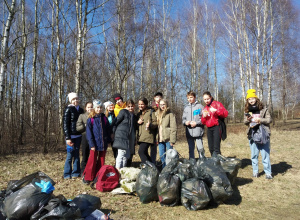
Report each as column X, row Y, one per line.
column 144, row 100
column 87, row 104
column 92, row 114
column 161, row 113
column 106, row 112
column 258, row 103
column 129, row 102
column 158, row 94
column 191, row 93
column 207, row 93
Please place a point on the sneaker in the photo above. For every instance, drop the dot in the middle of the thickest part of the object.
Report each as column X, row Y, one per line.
column 255, row 175
column 269, row 176
column 86, row 182
column 67, row 178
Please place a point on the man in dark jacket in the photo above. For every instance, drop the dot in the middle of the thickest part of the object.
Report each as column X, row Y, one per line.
column 73, row 138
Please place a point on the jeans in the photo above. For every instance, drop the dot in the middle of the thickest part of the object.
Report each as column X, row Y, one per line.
column 123, row 156
column 191, row 143
column 163, row 147
column 265, row 155
column 214, row 139
column 74, row 155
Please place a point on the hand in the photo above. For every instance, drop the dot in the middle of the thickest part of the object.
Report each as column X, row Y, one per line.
column 93, row 148
column 70, row 143
column 212, row 110
column 257, row 120
column 249, row 118
column 193, row 124
column 140, row 121
column 187, row 123
column 171, row 144
column 205, row 114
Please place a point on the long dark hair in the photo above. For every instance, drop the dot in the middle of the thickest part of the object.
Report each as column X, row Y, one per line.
column 258, row 103
column 144, row 100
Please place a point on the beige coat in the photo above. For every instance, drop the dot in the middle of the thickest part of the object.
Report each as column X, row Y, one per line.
column 265, row 118
column 81, row 122
column 143, row 135
column 168, row 128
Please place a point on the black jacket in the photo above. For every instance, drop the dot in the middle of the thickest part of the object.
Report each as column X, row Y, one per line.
column 69, row 121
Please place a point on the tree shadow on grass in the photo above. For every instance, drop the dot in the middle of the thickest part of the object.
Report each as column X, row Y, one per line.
column 280, row 168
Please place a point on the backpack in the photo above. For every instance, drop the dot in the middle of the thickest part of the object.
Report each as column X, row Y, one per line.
column 259, row 134
column 106, row 179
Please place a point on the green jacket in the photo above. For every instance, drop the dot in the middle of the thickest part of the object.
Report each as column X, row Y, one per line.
column 81, row 122
column 168, row 127
column 143, row 135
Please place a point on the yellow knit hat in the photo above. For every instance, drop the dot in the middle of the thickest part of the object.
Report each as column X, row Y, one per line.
column 251, row 94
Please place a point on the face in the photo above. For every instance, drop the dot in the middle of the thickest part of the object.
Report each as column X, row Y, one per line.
column 111, row 108
column 119, row 102
column 89, row 107
column 157, row 98
column 252, row 101
column 207, row 99
column 142, row 106
column 130, row 108
column 162, row 105
column 191, row 98
column 75, row 101
column 98, row 109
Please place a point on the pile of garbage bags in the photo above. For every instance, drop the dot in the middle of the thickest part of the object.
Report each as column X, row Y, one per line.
column 32, row 198
column 192, row 183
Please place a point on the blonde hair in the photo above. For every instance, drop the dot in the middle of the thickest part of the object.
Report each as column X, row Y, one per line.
column 161, row 113
column 92, row 114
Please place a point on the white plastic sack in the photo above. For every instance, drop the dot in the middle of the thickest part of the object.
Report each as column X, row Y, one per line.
column 130, row 173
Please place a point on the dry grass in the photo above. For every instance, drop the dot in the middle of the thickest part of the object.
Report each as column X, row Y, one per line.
column 252, row 199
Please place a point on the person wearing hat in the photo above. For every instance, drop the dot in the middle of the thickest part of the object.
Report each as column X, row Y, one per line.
column 119, row 103
column 73, row 137
column 255, row 115
column 98, row 137
column 110, row 114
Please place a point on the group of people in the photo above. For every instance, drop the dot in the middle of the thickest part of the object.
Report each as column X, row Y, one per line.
column 155, row 125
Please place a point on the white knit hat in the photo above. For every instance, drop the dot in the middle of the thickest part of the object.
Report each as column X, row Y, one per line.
column 106, row 104
column 72, row 95
column 97, row 103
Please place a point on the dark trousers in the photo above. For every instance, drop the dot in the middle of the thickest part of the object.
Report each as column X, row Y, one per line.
column 214, row 139
column 85, row 152
column 143, row 152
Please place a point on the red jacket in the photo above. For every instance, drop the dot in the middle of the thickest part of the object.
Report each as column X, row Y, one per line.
column 212, row 119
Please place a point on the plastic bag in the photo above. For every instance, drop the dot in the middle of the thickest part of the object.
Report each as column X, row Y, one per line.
column 87, row 204
column 195, row 194
column 168, row 189
column 231, row 166
column 146, row 183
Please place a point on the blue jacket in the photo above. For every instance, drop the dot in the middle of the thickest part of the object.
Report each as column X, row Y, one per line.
column 98, row 132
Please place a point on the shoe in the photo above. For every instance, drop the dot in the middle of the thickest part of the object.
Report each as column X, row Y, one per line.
column 86, row 182
column 269, row 176
column 67, row 178
column 255, row 175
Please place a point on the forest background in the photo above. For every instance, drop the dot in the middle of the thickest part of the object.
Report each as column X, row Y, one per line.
column 138, row 47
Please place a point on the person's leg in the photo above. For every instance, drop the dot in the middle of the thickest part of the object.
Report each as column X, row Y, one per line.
column 210, row 140
column 120, row 159
column 162, row 151
column 101, row 160
column 89, row 171
column 76, row 172
column 85, row 152
column 254, row 156
column 265, row 154
column 68, row 166
column 200, row 148
column 143, row 152
column 153, row 152
column 191, row 143
column 216, row 139
column 129, row 161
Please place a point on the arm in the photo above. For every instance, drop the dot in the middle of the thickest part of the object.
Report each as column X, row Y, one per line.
column 184, row 119
column 118, row 120
column 221, row 110
column 89, row 134
column 66, row 123
column 80, row 124
column 200, row 109
column 153, row 123
column 266, row 119
column 173, row 129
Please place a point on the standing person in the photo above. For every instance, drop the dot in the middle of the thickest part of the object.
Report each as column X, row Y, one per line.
column 110, row 114
column 124, row 139
column 194, row 128
column 155, row 106
column 98, row 136
column 81, row 127
column 73, row 138
column 212, row 112
column 147, row 125
column 167, row 130
column 130, row 105
column 120, row 104
column 256, row 113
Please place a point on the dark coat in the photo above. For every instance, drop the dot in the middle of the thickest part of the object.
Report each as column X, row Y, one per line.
column 122, row 128
column 69, row 121
column 98, row 132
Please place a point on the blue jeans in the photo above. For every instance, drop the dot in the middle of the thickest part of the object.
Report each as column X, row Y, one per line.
column 191, row 143
column 68, row 172
column 163, row 147
column 265, row 155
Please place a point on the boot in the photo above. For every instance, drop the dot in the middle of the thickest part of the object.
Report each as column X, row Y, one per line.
column 201, row 155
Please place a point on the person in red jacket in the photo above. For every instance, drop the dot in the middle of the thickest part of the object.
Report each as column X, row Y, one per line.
column 212, row 112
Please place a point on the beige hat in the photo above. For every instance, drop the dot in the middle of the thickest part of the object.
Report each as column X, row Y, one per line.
column 72, row 95
column 106, row 104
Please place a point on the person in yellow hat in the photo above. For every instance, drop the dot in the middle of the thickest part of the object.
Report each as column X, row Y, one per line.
column 258, row 119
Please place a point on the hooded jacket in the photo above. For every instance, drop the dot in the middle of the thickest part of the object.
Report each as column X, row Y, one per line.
column 143, row 135
column 70, row 119
column 193, row 112
column 168, row 127
column 119, row 108
column 212, row 119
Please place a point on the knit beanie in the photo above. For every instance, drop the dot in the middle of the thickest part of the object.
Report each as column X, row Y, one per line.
column 106, row 104
column 97, row 103
column 251, row 94
column 72, row 95
column 117, row 96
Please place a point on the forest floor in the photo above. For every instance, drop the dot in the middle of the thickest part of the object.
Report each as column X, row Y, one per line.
column 253, row 198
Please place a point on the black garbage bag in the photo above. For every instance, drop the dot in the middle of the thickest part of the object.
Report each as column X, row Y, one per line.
column 146, row 182
column 58, row 208
column 231, row 166
column 184, row 169
column 195, row 194
column 215, row 177
column 168, row 189
column 87, row 204
column 171, row 166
